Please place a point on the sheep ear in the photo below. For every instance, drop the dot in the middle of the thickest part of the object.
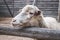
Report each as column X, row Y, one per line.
column 37, row 13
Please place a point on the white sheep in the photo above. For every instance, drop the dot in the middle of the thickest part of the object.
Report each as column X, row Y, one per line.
column 30, row 15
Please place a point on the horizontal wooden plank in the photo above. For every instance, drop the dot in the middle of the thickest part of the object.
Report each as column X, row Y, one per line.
column 16, row 9
column 31, row 0
column 34, row 32
column 48, row 0
column 53, row 5
column 39, row 6
column 47, row 3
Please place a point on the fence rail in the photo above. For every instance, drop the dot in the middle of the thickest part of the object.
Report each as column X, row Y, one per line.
column 33, row 32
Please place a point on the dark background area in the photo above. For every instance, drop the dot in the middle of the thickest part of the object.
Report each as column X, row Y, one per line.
column 49, row 7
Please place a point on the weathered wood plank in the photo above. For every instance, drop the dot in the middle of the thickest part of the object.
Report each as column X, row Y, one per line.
column 33, row 32
column 59, row 12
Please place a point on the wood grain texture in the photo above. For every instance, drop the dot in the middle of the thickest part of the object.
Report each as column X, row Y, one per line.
column 49, row 7
column 39, row 33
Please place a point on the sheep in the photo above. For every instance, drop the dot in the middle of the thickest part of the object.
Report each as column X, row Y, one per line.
column 30, row 16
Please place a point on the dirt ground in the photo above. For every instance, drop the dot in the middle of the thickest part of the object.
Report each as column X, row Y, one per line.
column 6, row 22
column 6, row 37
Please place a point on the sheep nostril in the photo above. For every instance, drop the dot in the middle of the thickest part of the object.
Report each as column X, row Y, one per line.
column 14, row 20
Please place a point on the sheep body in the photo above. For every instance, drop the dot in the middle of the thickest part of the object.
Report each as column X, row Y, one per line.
column 32, row 16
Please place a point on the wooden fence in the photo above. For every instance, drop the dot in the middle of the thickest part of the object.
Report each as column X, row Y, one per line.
column 49, row 7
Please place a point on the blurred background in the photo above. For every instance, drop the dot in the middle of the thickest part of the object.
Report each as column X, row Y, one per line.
column 9, row 8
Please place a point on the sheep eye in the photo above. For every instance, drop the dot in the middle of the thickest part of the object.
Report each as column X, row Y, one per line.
column 31, row 13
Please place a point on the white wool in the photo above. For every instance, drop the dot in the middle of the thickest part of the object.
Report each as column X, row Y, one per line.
column 51, row 23
column 24, row 16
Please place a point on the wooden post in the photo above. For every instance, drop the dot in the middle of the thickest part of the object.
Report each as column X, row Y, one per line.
column 59, row 11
